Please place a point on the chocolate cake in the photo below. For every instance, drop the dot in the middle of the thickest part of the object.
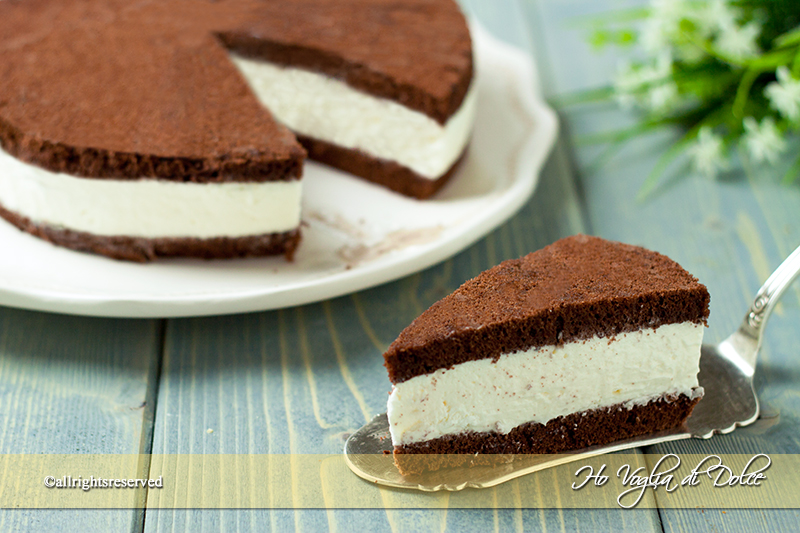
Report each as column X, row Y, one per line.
column 141, row 129
column 579, row 344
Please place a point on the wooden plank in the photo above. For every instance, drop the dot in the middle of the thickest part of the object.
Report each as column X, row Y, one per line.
column 301, row 380
column 758, row 219
column 74, row 385
column 730, row 233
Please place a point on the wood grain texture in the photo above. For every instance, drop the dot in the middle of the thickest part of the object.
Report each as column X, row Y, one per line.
column 75, row 385
column 301, row 380
column 731, row 233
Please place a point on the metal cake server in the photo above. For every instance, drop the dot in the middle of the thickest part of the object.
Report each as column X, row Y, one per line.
column 726, row 374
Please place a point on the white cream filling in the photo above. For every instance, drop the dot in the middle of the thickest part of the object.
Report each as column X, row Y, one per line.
column 540, row 384
column 328, row 109
column 308, row 103
column 148, row 207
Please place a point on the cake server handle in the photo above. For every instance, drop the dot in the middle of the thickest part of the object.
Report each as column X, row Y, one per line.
column 746, row 341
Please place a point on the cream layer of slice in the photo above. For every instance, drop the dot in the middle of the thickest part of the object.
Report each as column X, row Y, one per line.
column 328, row 109
column 148, row 208
column 541, row 384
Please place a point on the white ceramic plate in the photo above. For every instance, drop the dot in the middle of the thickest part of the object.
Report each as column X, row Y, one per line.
column 356, row 235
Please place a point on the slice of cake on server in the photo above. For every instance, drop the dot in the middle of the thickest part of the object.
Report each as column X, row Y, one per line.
column 582, row 343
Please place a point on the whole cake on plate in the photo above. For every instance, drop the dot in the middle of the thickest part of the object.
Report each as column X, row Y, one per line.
column 140, row 129
column 579, row 344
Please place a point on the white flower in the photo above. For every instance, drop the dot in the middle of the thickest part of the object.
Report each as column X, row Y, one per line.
column 716, row 16
column 662, row 97
column 662, row 68
column 644, row 84
column 627, row 84
column 739, row 42
column 672, row 10
column 665, row 29
column 663, row 24
column 784, row 94
column 763, row 141
column 689, row 53
column 707, row 153
column 655, row 35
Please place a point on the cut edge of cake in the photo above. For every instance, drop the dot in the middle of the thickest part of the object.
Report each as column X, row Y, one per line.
column 254, row 31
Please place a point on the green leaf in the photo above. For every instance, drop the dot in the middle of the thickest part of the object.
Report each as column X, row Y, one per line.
column 617, row 136
column 604, row 157
column 771, row 60
column 790, row 38
column 743, row 91
column 598, row 39
column 796, row 64
column 792, row 174
column 626, row 37
column 601, row 38
column 651, row 182
column 619, row 16
column 687, row 26
column 589, row 96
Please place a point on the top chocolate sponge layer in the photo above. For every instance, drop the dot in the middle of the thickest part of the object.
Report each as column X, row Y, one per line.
column 121, row 89
column 574, row 289
column 415, row 52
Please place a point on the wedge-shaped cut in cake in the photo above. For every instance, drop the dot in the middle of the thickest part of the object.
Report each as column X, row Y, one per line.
column 140, row 130
column 582, row 343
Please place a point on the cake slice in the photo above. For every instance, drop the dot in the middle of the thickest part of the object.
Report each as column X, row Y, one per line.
column 581, row 343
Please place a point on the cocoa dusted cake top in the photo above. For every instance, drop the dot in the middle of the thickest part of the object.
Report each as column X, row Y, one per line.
column 111, row 88
column 574, row 289
column 415, row 52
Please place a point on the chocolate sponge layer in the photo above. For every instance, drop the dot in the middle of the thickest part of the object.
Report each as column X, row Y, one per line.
column 386, row 173
column 142, row 249
column 574, row 289
column 572, row 432
column 125, row 90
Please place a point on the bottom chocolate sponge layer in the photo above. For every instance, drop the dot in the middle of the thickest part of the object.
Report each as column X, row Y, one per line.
column 572, row 432
column 386, row 173
column 143, row 249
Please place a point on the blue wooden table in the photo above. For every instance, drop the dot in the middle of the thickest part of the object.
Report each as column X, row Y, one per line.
column 300, row 380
